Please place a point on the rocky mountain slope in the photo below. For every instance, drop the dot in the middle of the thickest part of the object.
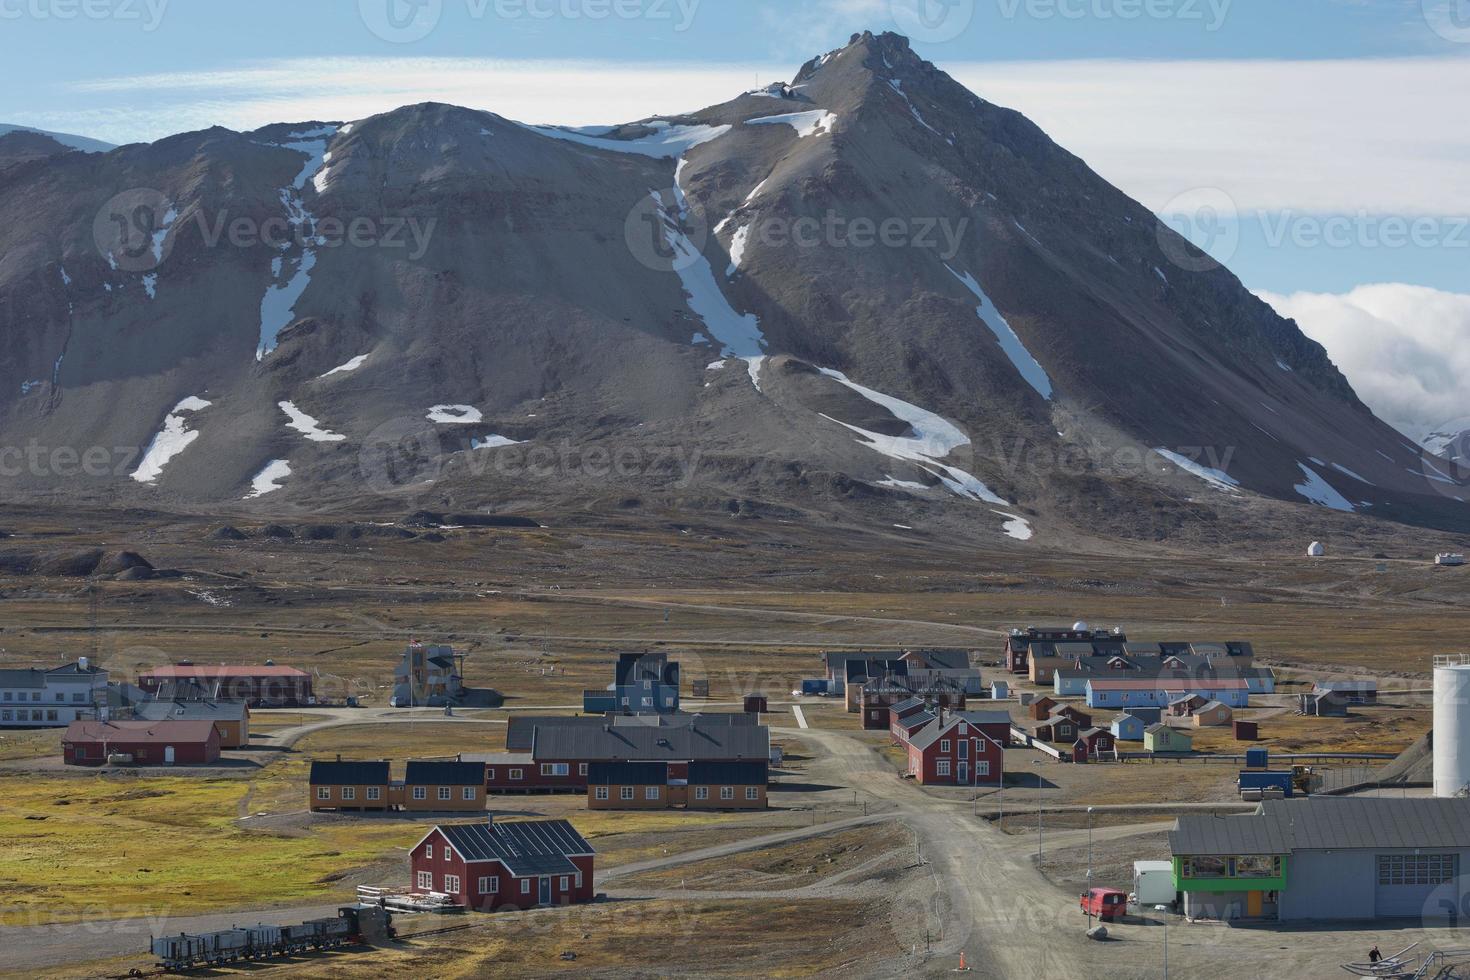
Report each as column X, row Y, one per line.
column 868, row 291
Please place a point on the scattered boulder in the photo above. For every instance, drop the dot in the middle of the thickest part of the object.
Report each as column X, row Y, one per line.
column 228, row 533
column 1099, row 933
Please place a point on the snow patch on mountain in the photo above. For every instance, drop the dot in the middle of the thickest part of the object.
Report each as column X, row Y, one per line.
column 350, row 366
column 269, row 479
column 933, row 439
column 1320, row 492
column 278, row 305
column 897, row 86
column 1216, row 478
column 172, row 439
column 812, row 123
column 494, row 442
column 1028, row 367
column 306, row 425
column 455, row 415
column 737, row 249
column 666, row 141
column 1016, row 527
column 1347, row 472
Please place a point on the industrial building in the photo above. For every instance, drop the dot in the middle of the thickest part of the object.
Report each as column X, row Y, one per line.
column 1324, row 858
column 266, row 685
column 642, row 682
column 428, row 676
column 230, row 718
column 140, row 743
column 36, row 698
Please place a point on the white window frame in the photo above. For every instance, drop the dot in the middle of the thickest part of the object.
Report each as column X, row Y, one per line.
column 468, row 794
column 490, row 885
column 982, row 767
column 451, row 884
column 525, row 886
column 944, row 745
column 563, row 882
column 489, row 775
column 581, row 769
column 579, row 879
column 349, row 793
column 650, row 792
column 601, row 793
column 727, row 792
column 627, row 793
column 425, row 880
column 701, row 792
column 446, row 793
column 752, row 792
column 517, row 774
column 941, row 767
column 322, row 792
column 420, row 793
column 375, row 793
column 428, row 850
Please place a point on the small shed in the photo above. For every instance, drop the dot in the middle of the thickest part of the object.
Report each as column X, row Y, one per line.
column 1097, row 741
column 1183, row 707
column 1129, row 728
column 999, row 690
column 1041, row 708
column 1323, row 704
column 755, row 704
column 1082, row 718
column 1162, row 738
column 1353, row 691
column 1246, row 731
column 1213, row 714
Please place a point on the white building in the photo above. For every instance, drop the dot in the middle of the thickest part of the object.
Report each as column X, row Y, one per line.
column 32, row 698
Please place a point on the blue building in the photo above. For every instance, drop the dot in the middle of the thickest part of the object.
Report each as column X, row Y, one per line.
column 1129, row 728
column 1158, row 692
column 643, row 683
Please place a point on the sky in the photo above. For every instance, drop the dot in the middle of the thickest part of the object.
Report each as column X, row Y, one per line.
column 1317, row 147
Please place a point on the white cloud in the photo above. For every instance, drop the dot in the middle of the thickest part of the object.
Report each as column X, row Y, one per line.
column 1405, row 349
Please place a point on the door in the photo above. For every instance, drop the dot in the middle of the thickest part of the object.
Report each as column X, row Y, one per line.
column 545, row 891
column 168, row 755
column 964, row 773
column 1408, row 882
column 1252, row 905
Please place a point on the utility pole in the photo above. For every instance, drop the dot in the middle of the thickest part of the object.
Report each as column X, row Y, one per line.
column 1089, row 869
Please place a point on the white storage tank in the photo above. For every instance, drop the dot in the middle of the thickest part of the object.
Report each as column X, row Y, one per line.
column 1451, row 725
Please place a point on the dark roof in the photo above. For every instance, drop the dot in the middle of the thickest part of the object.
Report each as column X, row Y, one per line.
column 991, row 717
column 628, row 773
column 1323, row 823
column 75, row 669
column 868, row 667
column 638, row 743
column 1148, row 716
column 191, row 710
column 329, row 773
column 906, row 704
column 917, row 720
column 140, row 732
column 444, row 773
column 928, row 736
column 728, row 773
column 942, row 657
column 1349, row 686
column 521, row 728
column 526, row 848
column 26, row 677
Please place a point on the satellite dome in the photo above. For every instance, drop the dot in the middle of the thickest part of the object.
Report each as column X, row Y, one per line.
column 1316, row 550
column 1080, row 626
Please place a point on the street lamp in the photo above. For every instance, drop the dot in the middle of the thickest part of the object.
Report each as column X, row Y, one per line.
column 1089, row 868
column 1037, row 763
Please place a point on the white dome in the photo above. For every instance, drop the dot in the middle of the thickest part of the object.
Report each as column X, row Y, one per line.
column 1079, row 626
column 1316, row 550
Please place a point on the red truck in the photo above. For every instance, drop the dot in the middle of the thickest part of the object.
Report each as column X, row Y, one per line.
column 1108, row 904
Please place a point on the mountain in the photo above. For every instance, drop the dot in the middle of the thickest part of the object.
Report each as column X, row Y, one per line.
column 83, row 143
column 867, row 293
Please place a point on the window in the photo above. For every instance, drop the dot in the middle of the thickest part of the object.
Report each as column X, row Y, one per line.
column 1204, row 866
column 648, row 702
column 424, row 880
column 420, row 793
column 374, row 792
column 50, row 714
column 428, row 850
column 349, row 792
column 79, row 697
column 581, row 769
column 727, row 792
column 941, row 767
column 517, row 774
column 964, row 729
column 650, row 792
column 563, row 884
column 601, row 792
column 489, row 886
column 525, row 886
column 81, row 752
column 701, row 792
column 752, row 792
column 35, row 695
column 446, row 852
column 1417, row 869
column 322, row 792
column 964, row 750
column 982, row 767
column 445, row 792
column 7, row 695
column 451, row 884
column 60, row 696
column 489, row 775
column 944, row 745
column 468, row 794
column 627, row 792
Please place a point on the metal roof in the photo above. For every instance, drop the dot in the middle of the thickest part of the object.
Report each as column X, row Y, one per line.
column 526, row 848
column 933, row 733
column 420, row 773
column 325, row 772
column 139, row 732
column 939, row 657
column 75, row 669
column 728, row 773
column 521, row 728
column 191, row 710
column 1322, row 823
column 25, row 677
column 1167, row 682
column 222, row 671
column 640, row 744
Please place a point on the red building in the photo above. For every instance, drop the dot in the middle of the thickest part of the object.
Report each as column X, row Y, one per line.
column 954, row 752
column 268, row 685
column 903, row 729
column 1092, row 743
column 519, row 865
column 518, row 772
column 149, row 743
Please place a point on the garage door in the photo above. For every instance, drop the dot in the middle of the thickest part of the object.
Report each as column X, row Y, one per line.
column 1406, row 882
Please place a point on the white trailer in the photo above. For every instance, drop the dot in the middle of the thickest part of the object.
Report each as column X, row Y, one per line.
column 1153, row 883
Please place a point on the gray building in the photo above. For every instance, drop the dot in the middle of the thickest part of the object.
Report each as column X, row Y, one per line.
column 1327, row 858
column 642, row 683
column 31, row 697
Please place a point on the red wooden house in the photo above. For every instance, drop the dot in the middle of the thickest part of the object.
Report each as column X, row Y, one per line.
column 1082, row 718
column 905, row 728
column 148, row 743
column 1059, row 728
column 1092, row 743
column 519, row 865
column 954, row 752
column 1042, row 708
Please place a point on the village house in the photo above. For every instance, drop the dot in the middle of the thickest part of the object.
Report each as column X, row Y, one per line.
column 230, row 718
column 1071, row 681
column 907, row 717
column 1162, row 690
column 1212, row 714
column 727, row 786
column 1017, row 655
column 268, row 685
column 54, row 698
column 876, row 697
column 521, row 728
column 489, row 866
column 428, row 676
column 1183, row 707
column 628, row 786
column 1041, row 708
column 1129, row 727
column 1162, row 738
column 349, row 785
column 953, row 752
column 140, row 743
column 1092, row 743
column 1324, row 704
column 1060, row 728
column 642, row 683
column 441, row 786
column 1352, row 692
column 870, row 665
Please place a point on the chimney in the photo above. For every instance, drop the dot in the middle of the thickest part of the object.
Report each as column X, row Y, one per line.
column 339, row 756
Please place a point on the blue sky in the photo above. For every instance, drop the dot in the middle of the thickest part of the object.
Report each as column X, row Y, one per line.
column 1328, row 138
